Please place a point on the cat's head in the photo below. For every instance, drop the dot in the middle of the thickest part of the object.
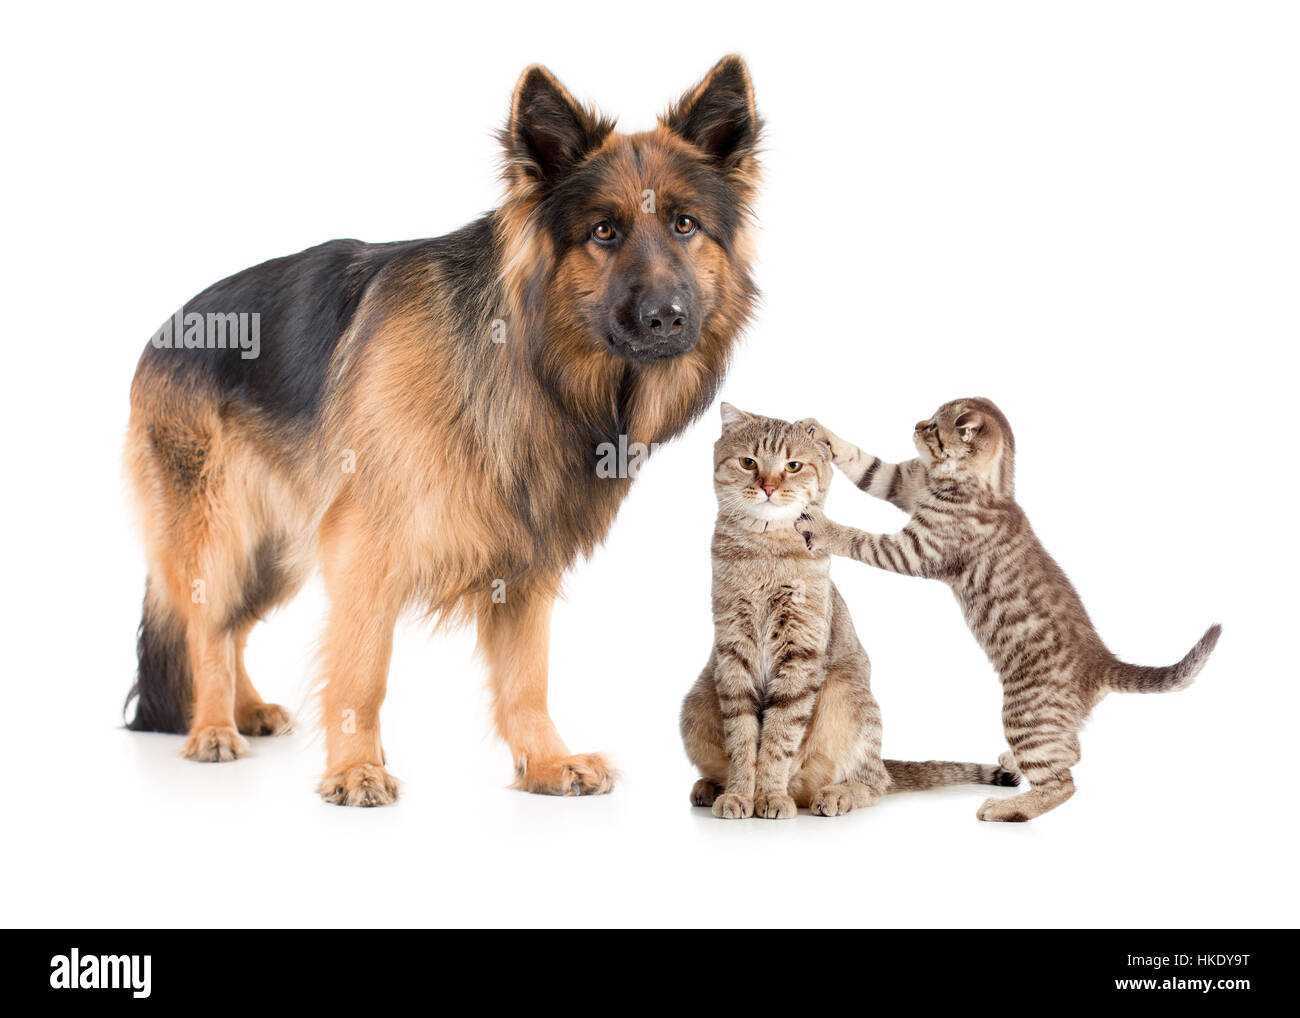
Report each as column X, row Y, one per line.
column 766, row 469
column 970, row 436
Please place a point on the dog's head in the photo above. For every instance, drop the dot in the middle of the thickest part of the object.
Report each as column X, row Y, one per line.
column 635, row 245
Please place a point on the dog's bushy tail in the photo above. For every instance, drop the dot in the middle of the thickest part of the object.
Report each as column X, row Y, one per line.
column 915, row 776
column 1127, row 678
column 163, row 692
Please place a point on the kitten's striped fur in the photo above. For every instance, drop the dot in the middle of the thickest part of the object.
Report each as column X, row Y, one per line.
column 782, row 715
column 967, row 530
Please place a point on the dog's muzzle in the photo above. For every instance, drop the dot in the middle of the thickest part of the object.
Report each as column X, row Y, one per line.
column 654, row 326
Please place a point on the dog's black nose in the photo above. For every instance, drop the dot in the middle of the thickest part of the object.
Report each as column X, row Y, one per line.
column 663, row 318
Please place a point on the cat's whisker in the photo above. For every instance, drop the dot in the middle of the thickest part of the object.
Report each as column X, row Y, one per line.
column 966, row 529
column 751, row 709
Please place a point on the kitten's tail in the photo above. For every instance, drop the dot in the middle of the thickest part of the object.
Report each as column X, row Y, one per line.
column 1126, row 678
column 914, row 776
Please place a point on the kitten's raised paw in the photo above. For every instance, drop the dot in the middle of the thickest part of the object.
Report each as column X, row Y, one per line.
column 730, row 806
column 812, row 427
column 704, row 792
column 1003, row 810
column 811, row 526
column 775, row 806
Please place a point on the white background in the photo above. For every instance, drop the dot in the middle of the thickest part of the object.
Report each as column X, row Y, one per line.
column 1088, row 213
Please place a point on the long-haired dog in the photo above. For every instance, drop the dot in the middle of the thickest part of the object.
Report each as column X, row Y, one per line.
column 427, row 421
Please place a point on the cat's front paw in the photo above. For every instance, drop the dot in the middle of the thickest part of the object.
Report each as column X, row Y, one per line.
column 813, row 428
column 775, row 806
column 730, row 806
column 814, row 528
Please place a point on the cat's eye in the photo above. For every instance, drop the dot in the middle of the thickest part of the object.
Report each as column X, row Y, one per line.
column 793, row 467
column 603, row 232
column 685, row 225
column 747, row 463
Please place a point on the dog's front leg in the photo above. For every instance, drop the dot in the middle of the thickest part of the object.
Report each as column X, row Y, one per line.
column 364, row 603
column 514, row 637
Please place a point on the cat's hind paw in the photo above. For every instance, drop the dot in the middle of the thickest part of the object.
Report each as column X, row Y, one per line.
column 704, row 792
column 1007, row 811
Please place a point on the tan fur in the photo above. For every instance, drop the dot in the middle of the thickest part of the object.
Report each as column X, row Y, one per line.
column 782, row 715
column 472, row 470
column 967, row 530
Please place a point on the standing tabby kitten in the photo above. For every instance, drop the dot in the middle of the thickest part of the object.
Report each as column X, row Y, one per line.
column 967, row 530
column 782, row 715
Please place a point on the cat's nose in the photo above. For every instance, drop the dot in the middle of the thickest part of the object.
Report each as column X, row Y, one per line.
column 768, row 489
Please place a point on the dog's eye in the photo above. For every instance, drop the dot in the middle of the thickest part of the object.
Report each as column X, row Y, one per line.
column 685, row 225
column 793, row 467
column 603, row 232
column 747, row 463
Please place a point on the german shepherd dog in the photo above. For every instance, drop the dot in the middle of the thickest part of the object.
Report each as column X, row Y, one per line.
column 425, row 420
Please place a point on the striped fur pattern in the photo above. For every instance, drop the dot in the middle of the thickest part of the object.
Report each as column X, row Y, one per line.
column 782, row 715
column 967, row 530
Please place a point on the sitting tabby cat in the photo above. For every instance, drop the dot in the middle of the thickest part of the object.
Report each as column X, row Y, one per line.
column 782, row 716
column 967, row 530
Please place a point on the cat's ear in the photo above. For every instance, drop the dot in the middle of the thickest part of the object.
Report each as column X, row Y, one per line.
column 969, row 424
column 733, row 417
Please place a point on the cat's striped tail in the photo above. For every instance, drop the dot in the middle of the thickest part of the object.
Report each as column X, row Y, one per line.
column 1126, row 678
column 915, row 776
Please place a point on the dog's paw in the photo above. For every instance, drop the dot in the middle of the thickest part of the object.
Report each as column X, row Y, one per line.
column 362, row 785
column 583, row 774
column 730, row 806
column 704, row 792
column 264, row 719
column 214, row 744
column 775, row 806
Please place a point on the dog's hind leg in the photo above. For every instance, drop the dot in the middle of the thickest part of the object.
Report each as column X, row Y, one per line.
column 514, row 638
column 275, row 573
column 198, row 553
column 253, row 715
column 202, row 578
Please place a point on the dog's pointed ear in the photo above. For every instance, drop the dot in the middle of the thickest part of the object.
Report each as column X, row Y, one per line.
column 718, row 115
column 549, row 131
column 733, row 417
column 969, row 424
